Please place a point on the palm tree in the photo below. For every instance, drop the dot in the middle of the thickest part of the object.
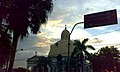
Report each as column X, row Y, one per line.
column 19, row 15
column 80, row 51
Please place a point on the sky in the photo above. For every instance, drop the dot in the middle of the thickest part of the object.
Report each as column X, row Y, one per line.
column 70, row 12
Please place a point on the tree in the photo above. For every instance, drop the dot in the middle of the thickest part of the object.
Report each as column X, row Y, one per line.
column 21, row 15
column 5, row 48
column 107, row 58
column 80, row 51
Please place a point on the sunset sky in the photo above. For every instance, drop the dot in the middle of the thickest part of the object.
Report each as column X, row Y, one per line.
column 69, row 12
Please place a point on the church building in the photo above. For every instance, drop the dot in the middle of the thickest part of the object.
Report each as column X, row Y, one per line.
column 61, row 48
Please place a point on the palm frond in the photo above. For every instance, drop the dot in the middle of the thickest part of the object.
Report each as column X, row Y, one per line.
column 74, row 52
column 84, row 41
column 77, row 42
column 88, row 55
column 91, row 47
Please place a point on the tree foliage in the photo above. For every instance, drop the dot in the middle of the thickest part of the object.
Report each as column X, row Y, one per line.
column 5, row 47
column 22, row 14
column 107, row 58
column 80, row 52
column 19, row 16
column 81, row 49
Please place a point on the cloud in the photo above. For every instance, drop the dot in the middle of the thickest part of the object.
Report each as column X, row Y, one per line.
column 30, row 45
column 110, row 38
column 67, row 11
column 100, row 5
column 35, row 42
column 70, row 12
column 95, row 40
column 79, row 33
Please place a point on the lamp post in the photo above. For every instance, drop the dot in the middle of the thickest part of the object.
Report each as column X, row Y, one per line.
column 69, row 44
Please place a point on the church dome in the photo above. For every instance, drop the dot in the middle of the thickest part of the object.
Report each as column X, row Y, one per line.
column 65, row 34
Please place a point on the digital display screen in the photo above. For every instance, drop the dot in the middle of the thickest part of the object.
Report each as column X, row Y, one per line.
column 100, row 19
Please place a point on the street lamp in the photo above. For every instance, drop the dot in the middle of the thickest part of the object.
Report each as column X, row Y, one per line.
column 69, row 44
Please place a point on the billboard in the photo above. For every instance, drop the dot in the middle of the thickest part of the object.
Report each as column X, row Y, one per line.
column 100, row 19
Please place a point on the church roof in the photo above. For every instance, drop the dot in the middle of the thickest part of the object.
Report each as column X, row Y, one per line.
column 34, row 58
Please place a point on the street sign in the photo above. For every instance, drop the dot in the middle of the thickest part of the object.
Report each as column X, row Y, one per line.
column 100, row 19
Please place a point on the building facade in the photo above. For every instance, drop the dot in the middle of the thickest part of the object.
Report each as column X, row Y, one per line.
column 60, row 48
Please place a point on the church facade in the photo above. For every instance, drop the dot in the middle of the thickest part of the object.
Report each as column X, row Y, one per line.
column 60, row 48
